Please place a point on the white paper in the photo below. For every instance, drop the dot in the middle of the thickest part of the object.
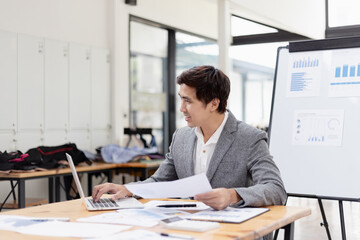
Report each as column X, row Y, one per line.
column 318, row 127
column 154, row 203
column 304, row 75
column 136, row 235
column 344, row 79
column 232, row 215
column 136, row 217
column 182, row 188
column 49, row 227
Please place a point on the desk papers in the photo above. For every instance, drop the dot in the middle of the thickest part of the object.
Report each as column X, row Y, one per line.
column 137, row 235
column 228, row 215
column 182, row 188
column 154, row 203
column 53, row 228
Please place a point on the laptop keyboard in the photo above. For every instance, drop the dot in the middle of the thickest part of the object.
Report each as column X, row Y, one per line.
column 103, row 203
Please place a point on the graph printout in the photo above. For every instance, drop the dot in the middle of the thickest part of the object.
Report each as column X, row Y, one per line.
column 345, row 73
column 304, row 75
column 318, row 127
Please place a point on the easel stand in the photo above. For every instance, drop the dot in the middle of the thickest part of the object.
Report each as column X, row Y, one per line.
column 341, row 211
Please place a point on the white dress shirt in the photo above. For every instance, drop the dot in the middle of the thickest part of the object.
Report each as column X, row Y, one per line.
column 204, row 151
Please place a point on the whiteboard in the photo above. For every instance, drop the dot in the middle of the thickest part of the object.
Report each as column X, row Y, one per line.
column 315, row 121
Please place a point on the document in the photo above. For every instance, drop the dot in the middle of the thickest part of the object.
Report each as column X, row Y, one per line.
column 182, row 188
column 136, row 217
column 140, row 235
column 55, row 228
column 228, row 215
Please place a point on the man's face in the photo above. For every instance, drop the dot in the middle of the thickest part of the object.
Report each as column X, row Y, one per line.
column 196, row 112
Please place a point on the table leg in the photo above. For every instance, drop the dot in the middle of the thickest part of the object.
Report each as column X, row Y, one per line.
column 21, row 193
column 57, row 189
column 90, row 184
column 51, row 189
column 289, row 231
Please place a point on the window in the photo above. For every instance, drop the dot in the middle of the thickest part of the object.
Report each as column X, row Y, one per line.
column 253, row 56
column 148, row 66
column 192, row 51
column 342, row 18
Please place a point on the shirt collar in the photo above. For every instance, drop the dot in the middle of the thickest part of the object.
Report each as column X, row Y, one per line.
column 216, row 135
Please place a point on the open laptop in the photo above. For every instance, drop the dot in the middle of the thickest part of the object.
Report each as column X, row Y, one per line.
column 103, row 203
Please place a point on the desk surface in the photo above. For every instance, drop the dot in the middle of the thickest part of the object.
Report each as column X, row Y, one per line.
column 277, row 217
column 82, row 168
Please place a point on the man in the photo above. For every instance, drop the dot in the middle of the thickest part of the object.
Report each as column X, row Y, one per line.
column 234, row 155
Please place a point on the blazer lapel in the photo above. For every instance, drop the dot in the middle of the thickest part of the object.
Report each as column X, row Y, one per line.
column 222, row 146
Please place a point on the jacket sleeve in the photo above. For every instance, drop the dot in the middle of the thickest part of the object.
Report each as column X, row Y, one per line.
column 267, row 187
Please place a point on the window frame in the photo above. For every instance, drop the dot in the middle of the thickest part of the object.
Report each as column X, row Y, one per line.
column 342, row 31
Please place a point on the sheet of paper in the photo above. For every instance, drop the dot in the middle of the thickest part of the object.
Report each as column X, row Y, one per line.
column 344, row 74
column 154, row 203
column 318, row 127
column 15, row 222
column 304, row 75
column 182, row 188
column 136, row 217
column 231, row 215
column 136, row 235
column 49, row 227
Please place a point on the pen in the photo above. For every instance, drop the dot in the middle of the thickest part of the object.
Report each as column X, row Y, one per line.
column 176, row 236
column 176, row 205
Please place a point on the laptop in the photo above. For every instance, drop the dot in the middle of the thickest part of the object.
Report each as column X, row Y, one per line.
column 103, row 203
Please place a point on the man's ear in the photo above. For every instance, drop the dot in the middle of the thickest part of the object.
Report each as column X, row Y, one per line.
column 215, row 104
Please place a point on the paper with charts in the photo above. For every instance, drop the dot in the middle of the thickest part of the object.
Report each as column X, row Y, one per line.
column 182, row 188
column 318, row 127
column 228, row 215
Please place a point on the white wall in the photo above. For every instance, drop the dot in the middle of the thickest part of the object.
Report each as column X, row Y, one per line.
column 81, row 21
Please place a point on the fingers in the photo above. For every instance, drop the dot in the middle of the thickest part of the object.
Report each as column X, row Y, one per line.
column 216, row 199
column 99, row 190
column 122, row 193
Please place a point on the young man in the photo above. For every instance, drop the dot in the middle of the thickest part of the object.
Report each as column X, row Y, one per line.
column 234, row 155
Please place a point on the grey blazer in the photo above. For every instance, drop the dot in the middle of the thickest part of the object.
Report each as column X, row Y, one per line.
column 241, row 160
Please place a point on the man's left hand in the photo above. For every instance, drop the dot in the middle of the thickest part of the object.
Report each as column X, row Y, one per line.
column 219, row 198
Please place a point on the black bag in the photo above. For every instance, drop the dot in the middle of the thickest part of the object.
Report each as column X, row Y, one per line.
column 10, row 160
column 49, row 157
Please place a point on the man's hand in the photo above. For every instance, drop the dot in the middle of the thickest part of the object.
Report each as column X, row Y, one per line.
column 119, row 191
column 219, row 198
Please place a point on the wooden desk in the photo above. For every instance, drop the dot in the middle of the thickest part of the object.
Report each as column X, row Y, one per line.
column 277, row 217
column 54, row 175
column 141, row 169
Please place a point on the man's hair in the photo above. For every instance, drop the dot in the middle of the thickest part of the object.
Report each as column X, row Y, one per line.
column 209, row 82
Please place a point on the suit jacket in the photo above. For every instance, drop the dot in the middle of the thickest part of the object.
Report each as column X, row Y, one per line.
column 241, row 160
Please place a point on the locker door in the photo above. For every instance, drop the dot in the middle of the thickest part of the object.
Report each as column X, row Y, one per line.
column 56, row 85
column 100, row 76
column 30, row 82
column 8, row 80
column 79, row 87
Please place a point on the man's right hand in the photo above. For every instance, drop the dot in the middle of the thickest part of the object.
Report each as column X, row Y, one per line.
column 119, row 191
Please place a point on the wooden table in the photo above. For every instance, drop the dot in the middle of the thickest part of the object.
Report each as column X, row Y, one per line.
column 142, row 168
column 277, row 217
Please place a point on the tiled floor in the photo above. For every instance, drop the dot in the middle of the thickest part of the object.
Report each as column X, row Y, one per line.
column 309, row 227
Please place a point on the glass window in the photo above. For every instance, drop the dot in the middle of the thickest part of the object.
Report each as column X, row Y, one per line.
column 148, row 67
column 192, row 51
column 343, row 13
column 252, row 74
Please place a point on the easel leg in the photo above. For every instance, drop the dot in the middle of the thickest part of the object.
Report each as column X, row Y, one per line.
column 342, row 220
column 325, row 223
